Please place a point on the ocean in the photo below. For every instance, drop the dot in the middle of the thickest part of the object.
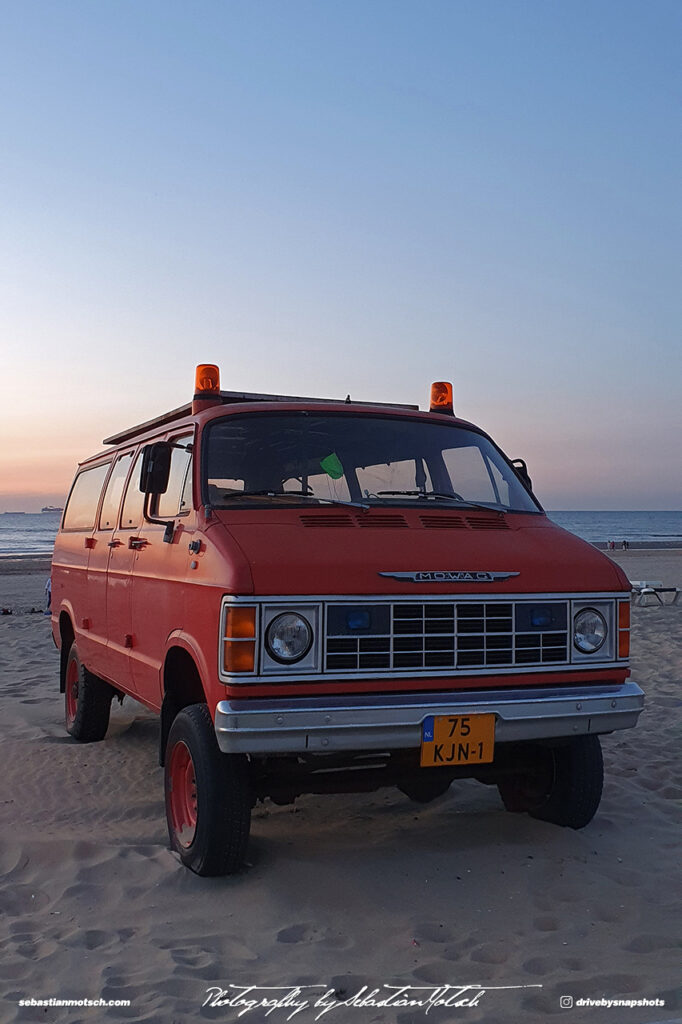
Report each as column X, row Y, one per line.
column 637, row 528
column 28, row 533
column 33, row 533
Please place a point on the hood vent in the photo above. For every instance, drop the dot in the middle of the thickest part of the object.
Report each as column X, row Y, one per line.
column 379, row 520
column 327, row 520
column 486, row 523
column 383, row 521
column 391, row 521
column 442, row 522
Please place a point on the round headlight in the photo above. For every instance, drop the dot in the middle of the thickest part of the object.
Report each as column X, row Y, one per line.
column 289, row 637
column 589, row 630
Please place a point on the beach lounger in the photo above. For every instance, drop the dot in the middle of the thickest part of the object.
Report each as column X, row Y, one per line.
column 643, row 589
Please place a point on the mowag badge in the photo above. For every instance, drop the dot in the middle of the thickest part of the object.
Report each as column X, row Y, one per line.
column 447, row 576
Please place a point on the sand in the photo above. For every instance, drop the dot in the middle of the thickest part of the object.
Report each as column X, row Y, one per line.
column 340, row 891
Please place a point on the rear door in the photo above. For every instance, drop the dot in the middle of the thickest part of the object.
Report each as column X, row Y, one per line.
column 125, row 539
column 74, row 546
column 105, row 542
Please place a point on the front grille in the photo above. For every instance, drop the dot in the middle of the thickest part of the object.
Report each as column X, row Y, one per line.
column 457, row 635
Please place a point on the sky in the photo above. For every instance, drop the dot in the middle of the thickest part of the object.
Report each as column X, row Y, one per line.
column 347, row 197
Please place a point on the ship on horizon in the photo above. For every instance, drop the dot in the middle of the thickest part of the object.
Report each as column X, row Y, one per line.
column 51, row 508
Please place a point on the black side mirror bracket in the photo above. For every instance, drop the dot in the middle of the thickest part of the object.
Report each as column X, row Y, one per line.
column 522, row 473
column 154, row 477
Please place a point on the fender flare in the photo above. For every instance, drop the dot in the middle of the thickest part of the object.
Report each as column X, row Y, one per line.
column 179, row 638
column 65, row 608
column 169, row 705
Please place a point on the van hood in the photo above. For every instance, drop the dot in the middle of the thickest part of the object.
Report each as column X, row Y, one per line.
column 336, row 551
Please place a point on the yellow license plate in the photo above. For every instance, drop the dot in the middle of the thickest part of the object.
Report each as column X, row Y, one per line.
column 457, row 739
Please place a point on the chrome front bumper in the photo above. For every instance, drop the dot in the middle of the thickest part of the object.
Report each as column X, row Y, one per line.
column 326, row 724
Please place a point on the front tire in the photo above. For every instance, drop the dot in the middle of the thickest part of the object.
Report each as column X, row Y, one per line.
column 426, row 786
column 208, row 796
column 566, row 786
column 87, row 701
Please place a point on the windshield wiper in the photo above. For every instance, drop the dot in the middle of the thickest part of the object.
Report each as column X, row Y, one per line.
column 298, row 494
column 441, row 496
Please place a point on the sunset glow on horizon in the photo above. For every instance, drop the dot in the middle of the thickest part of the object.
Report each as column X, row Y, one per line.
column 347, row 198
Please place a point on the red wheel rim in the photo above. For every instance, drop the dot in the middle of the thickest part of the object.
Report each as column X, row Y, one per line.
column 71, row 693
column 183, row 795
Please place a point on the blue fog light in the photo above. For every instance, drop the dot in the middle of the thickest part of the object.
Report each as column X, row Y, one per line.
column 540, row 617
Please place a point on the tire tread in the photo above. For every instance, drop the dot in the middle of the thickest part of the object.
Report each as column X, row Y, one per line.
column 94, row 705
column 224, row 815
column 578, row 787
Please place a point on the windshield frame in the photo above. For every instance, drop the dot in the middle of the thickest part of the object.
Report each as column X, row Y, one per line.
column 397, row 501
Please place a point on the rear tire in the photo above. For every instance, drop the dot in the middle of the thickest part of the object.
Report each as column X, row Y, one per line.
column 87, row 701
column 208, row 796
column 566, row 787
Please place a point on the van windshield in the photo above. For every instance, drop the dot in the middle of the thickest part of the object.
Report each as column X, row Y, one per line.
column 263, row 459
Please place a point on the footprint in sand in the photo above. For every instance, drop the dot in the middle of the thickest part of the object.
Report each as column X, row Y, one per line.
column 298, row 933
column 311, row 933
column 432, row 931
column 649, row 944
column 491, row 953
column 539, row 966
column 192, row 956
column 23, row 899
column 546, row 923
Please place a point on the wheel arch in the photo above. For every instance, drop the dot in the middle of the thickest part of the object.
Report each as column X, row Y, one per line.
column 182, row 685
column 67, row 635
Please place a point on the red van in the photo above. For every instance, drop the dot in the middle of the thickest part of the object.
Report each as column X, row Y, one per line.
column 330, row 596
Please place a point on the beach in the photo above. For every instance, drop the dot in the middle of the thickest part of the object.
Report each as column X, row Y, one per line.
column 340, row 892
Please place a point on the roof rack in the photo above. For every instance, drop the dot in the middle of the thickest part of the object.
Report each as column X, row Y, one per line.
column 232, row 397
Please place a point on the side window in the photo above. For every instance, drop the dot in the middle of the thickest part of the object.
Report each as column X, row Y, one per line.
column 173, row 502
column 186, row 496
column 108, row 517
column 81, row 507
column 131, row 516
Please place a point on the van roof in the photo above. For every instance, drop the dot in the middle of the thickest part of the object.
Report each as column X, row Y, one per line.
column 233, row 397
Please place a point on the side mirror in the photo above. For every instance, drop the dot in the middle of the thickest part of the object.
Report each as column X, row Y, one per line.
column 155, row 473
column 522, row 473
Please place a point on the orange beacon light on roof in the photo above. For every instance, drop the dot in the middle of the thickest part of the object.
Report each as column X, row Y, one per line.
column 207, row 380
column 206, row 386
column 441, row 397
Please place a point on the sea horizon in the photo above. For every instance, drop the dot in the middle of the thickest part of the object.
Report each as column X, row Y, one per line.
column 33, row 533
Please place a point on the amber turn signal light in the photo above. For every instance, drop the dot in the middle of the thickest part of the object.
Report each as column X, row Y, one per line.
column 623, row 629
column 623, row 614
column 239, row 649
column 240, row 656
column 207, row 379
column 240, row 623
column 441, row 397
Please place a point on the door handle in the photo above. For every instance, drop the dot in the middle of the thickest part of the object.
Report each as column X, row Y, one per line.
column 114, row 543
column 137, row 542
